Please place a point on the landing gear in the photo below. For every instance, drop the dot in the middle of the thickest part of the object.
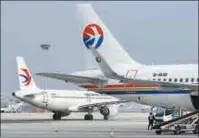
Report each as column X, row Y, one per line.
column 88, row 117
column 105, row 117
column 57, row 116
column 105, row 112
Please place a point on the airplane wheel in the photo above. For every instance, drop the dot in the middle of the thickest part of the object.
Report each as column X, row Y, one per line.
column 88, row 117
column 54, row 117
column 57, row 116
column 105, row 117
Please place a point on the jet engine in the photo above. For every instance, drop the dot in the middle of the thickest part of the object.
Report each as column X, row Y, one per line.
column 109, row 111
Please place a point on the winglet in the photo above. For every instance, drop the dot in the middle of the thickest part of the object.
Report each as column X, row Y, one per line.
column 108, row 72
column 103, row 65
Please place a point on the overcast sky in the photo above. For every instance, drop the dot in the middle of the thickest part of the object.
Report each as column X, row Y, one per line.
column 159, row 32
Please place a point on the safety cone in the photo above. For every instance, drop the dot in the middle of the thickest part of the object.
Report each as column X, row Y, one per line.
column 112, row 133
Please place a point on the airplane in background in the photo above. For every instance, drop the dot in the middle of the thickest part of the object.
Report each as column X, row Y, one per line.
column 166, row 86
column 63, row 102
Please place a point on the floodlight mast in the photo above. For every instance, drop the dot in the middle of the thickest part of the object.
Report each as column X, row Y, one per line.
column 45, row 47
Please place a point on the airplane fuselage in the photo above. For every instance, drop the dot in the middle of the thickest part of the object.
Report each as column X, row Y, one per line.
column 149, row 95
column 63, row 101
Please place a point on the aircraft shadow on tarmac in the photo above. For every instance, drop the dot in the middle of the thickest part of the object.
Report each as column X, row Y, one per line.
column 46, row 120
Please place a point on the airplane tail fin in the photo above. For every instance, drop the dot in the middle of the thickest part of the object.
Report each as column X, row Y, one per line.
column 26, row 81
column 95, row 34
column 89, row 60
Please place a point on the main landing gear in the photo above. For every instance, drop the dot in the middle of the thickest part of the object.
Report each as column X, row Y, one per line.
column 57, row 116
column 105, row 117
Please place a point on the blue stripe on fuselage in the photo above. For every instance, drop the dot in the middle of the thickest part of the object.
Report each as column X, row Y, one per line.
column 145, row 92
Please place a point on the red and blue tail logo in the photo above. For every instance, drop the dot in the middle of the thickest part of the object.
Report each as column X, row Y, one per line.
column 26, row 76
column 93, row 36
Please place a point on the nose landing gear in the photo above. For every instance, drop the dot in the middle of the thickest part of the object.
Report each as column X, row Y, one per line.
column 88, row 117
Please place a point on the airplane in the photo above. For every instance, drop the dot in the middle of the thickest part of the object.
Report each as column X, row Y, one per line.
column 166, row 86
column 63, row 102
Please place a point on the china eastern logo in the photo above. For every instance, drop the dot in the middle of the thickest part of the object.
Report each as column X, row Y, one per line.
column 93, row 36
column 26, row 76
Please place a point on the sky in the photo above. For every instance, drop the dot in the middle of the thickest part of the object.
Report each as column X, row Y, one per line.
column 154, row 32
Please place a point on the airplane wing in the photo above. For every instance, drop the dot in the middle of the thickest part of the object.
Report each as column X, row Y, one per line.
column 161, row 84
column 102, row 104
column 71, row 78
column 108, row 72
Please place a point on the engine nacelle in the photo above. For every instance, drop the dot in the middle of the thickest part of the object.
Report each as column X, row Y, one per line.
column 109, row 111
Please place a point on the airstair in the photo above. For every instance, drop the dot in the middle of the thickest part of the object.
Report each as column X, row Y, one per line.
column 13, row 108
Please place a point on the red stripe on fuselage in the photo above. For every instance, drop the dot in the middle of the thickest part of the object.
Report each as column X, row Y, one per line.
column 118, row 86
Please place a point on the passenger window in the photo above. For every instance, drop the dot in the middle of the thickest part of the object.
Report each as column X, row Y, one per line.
column 154, row 79
column 165, row 79
column 154, row 74
column 159, row 79
column 170, row 80
column 181, row 80
column 186, row 80
column 160, row 74
column 197, row 79
column 164, row 74
column 175, row 80
column 192, row 79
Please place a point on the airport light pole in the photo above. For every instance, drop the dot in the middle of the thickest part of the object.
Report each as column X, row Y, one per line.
column 45, row 48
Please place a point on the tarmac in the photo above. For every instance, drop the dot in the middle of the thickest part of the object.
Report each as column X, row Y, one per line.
column 41, row 125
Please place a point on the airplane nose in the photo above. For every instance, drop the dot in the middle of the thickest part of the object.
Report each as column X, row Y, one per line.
column 13, row 94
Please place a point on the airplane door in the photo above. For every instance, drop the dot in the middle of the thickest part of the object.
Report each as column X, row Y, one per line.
column 131, row 73
column 45, row 97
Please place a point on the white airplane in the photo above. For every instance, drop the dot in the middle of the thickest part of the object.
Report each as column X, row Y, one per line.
column 166, row 86
column 63, row 102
